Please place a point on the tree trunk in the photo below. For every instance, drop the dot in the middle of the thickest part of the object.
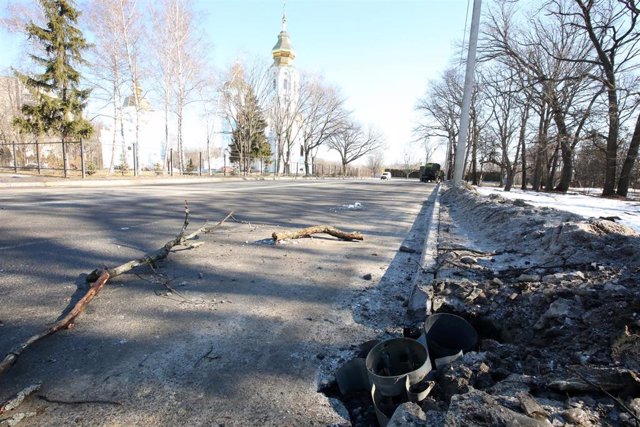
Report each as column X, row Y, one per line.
column 551, row 174
column 115, row 130
column 523, row 152
column 612, row 140
column 166, row 134
column 180, row 142
column 632, row 155
column 306, row 162
column 541, row 148
column 474, row 160
column 567, row 167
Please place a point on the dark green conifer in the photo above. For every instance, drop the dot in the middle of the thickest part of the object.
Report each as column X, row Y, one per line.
column 58, row 101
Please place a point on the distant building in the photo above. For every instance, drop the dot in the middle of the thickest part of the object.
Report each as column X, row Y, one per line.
column 119, row 143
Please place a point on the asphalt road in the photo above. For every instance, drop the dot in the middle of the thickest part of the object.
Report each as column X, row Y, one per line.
column 245, row 338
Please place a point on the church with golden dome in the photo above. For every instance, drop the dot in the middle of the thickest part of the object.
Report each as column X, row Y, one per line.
column 284, row 121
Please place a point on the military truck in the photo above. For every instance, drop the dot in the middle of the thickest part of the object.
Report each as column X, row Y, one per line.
column 430, row 172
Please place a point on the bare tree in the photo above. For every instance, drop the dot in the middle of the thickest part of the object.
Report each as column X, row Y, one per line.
column 352, row 142
column 501, row 85
column 375, row 162
column 181, row 60
column 108, row 69
column 567, row 91
column 322, row 115
column 440, row 108
column 611, row 27
column 408, row 161
column 130, row 30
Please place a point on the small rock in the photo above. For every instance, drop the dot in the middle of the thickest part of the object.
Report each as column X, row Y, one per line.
column 468, row 260
column 612, row 287
column 528, row 278
column 497, row 282
column 576, row 416
column 557, row 309
column 200, row 275
column 367, row 276
column 520, row 202
column 407, row 249
column 552, row 278
column 513, row 296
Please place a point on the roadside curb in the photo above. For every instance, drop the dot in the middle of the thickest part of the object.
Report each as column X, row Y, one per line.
column 419, row 303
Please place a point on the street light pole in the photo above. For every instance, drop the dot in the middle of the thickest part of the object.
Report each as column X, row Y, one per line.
column 468, row 90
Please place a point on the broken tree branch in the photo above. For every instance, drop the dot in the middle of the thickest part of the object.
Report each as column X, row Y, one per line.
column 307, row 232
column 15, row 401
column 64, row 323
column 79, row 402
column 99, row 277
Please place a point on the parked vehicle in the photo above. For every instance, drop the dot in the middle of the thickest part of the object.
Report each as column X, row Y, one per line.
column 385, row 175
column 430, row 172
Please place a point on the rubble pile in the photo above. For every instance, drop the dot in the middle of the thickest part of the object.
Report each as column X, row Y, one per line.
column 555, row 299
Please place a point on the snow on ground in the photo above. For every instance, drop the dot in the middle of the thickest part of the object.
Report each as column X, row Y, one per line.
column 579, row 204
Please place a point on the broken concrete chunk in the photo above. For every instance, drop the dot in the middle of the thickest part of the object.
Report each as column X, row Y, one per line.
column 407, row 249
column 477, row 408
column 560, row 308
column 531, row 407
column 597, row 378
column 367, row 276
column 497, row 282
column 576, row 416
column 408, row 414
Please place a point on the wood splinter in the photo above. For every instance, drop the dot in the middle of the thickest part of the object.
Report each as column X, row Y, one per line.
column 307, row 232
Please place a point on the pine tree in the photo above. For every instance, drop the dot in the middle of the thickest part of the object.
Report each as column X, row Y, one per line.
column 58, row 100
column 248, row 139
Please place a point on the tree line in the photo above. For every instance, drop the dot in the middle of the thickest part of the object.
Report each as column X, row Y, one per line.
column 555, row 101
column 156, row 50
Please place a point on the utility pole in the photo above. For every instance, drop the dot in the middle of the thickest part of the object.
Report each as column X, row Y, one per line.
column 466, row 97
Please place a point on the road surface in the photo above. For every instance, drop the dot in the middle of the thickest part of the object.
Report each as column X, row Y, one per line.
column 251, row 329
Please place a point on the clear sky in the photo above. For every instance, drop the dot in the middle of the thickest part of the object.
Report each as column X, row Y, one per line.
column 381, row 53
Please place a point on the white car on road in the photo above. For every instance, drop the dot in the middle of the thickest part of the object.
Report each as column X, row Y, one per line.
column 386, row 175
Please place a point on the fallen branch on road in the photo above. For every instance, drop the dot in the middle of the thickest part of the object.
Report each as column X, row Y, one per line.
column 307, row 232
column 65, row 323
column 15, row 401
column 99, row 277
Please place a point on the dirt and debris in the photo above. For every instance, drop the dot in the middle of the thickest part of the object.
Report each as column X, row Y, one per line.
column 555, row 299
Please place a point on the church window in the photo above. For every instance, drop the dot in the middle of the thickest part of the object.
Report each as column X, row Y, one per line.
column 274, row 84
column 286, row 84
column 301, row 150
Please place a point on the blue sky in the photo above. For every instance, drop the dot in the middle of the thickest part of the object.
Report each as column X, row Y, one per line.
column 381, row 53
